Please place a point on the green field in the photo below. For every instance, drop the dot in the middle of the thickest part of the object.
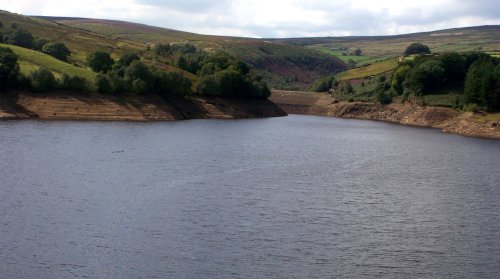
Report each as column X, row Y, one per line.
column 344, row 56
column 30, row 60
column 370, row 70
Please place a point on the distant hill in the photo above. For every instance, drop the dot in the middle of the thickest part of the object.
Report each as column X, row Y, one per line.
column 486, row 38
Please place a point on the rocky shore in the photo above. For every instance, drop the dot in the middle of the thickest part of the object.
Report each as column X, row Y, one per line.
column 446, row 119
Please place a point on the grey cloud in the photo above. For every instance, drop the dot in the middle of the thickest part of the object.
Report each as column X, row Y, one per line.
column 341, row 18
column 188, row 6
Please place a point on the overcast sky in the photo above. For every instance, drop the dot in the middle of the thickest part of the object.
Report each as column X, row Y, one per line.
column 277, row 18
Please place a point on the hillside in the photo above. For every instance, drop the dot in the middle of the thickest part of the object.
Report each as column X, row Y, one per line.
column 486, row 38
column 30, row 60
column 79, row 42
column 282, row 65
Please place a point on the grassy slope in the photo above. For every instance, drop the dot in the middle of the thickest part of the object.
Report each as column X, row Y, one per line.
column 80, row 42
column 30, row 60
column 370, row 70
column 283, row 65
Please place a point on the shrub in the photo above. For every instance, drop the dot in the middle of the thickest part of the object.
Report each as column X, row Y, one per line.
column 471, row 107
column 126, row 59
column 163, row 50
column 103, row 85
column 323, row 84
column 38, row 44
column 57, row 50
column 398, row 78
column 42, row 80
column 173, row 84
column 384, row 98
column 74, row 83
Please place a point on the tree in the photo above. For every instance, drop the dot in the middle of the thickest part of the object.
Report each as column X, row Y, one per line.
column 417, row 48
column 100, row 61
column 481, row 84
column 173, row 84
column 57, row 50
column 141, row 77
column 425, row 77
column 398, row 78
column 163, row 50
column 103, row 85
column 358, row 52
column 20, row 37
column 9, row 69
column 454, row 67
column 73, row 83
column 382, row 94
column 127, row 59
column 38, row 43
column 42, row 80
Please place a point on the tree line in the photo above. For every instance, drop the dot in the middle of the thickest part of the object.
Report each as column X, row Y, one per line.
column 477, row 74
column 219, row 74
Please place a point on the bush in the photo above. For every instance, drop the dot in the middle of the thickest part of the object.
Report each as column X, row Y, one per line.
column 38, row 44
column 100, row 61
column 163, row 50
column 103, row 85
column 57, row 50
column 398, row 78
column 173, row 84
column 126, row 59
column 73, row 83
column 42, row 80
column 471, row 107
column 384, row 98
column 323, row 84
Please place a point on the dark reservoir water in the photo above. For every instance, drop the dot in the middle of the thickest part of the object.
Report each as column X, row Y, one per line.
column 293, row 197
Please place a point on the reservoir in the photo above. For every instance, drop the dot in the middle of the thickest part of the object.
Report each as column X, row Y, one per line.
column 290, row 197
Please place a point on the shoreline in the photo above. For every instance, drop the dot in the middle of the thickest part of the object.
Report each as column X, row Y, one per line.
column 64, row 106
column 446, row 119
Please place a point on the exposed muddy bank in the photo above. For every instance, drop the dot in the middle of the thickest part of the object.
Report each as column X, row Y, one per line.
column 446, row 119
column 130, row 108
